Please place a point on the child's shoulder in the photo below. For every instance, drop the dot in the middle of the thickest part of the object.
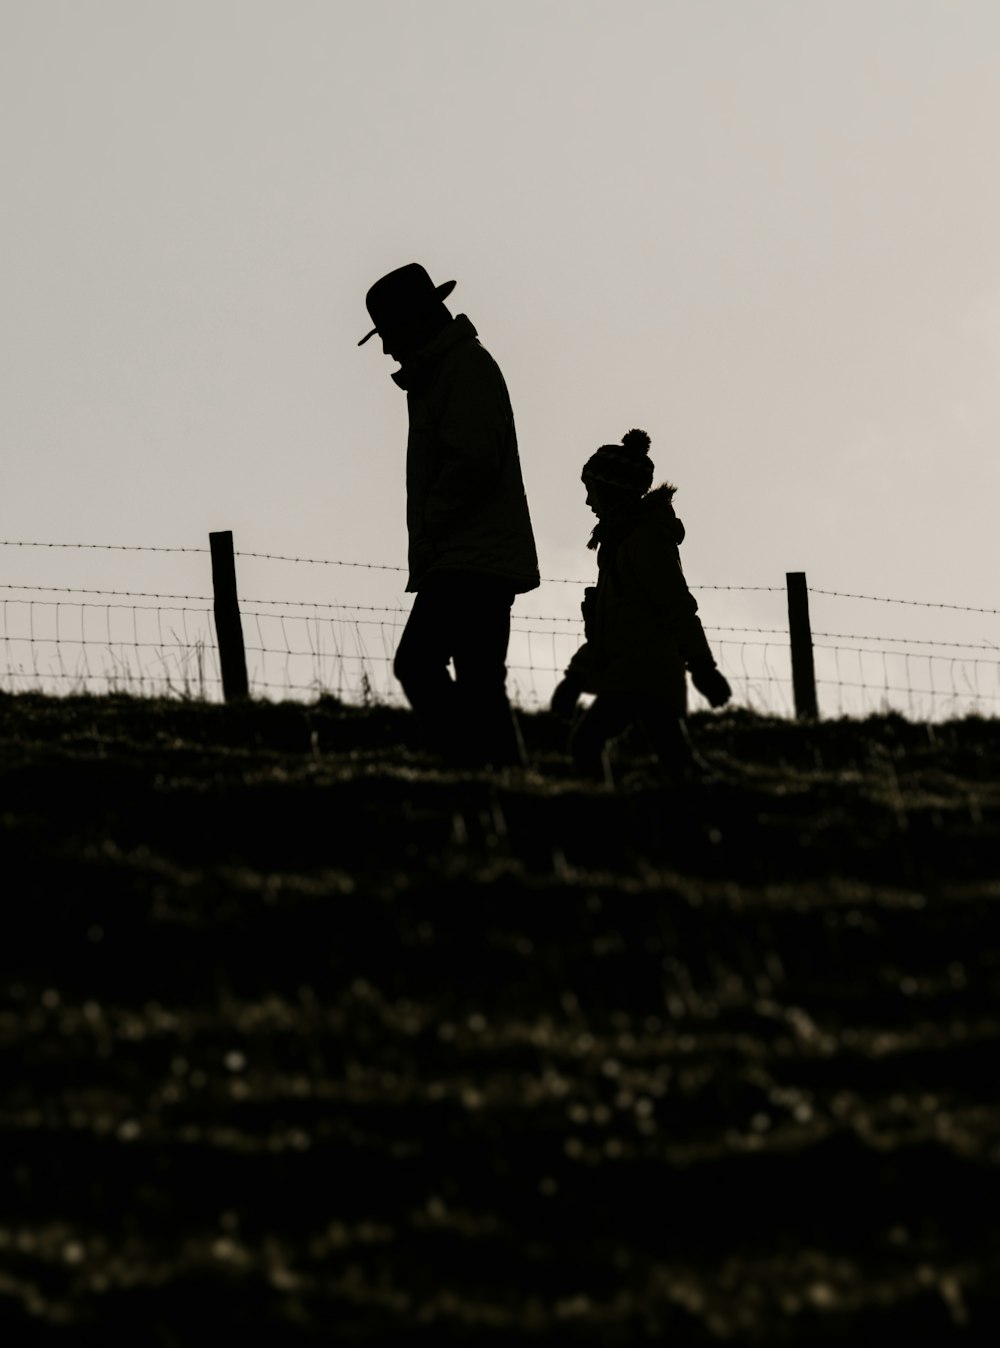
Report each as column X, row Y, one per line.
column 659, row 519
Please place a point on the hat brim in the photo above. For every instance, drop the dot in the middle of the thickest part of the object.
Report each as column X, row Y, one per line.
column 442, row 292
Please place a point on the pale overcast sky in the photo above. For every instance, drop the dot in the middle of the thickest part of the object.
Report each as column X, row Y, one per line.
column 766, row 231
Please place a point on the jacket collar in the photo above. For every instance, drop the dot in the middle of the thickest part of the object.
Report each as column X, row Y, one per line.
column 416, row 368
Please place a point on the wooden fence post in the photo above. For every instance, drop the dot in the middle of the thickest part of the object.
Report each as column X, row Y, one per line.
column 803, row 670
column 228, row 627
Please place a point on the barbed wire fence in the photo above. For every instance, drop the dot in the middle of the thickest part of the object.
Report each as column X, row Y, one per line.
column 164, row 642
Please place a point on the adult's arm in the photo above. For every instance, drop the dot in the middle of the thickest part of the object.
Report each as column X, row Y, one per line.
column 474, row 430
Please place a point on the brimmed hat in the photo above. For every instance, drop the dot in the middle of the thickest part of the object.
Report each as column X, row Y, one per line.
column 400, row 293
column 626, row 466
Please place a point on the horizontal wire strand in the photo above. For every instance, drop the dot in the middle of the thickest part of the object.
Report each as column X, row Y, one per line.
column 336, row 613
column 549, row 580
column 99, row 547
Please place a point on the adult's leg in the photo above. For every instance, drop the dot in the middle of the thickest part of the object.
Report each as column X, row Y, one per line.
column 488, row 730
column 421, row 662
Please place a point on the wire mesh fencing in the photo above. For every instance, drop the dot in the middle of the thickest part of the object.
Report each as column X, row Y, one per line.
column 338, row 634
column 121, row 645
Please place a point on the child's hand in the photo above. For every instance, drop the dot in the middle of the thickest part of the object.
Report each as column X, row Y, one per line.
column 712, row 684
column 588, row 605
column 564, row 699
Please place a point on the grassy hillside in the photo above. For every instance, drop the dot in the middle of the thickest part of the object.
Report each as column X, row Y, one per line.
column 302, row 1034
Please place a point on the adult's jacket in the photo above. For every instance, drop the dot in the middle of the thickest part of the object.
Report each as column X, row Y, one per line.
column 642, row 624
column 465, row 504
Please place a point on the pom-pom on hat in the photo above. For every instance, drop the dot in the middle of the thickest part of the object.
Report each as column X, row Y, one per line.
column 626, row 466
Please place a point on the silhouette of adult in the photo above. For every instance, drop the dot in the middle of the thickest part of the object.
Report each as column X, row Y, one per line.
column 471, row 546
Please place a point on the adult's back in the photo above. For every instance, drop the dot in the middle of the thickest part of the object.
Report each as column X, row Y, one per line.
column 466, row 504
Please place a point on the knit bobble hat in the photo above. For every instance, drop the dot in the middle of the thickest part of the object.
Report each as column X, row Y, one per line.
column 626, row 466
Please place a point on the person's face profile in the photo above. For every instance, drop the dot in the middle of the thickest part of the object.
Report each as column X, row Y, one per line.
column 394, row 342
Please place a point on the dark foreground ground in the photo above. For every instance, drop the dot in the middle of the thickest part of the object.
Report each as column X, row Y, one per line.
column 305, row 1038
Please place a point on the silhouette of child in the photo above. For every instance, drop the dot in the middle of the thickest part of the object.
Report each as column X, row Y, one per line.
column 640, row 620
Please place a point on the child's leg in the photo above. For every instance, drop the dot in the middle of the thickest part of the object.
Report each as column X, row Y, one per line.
column 667, row 735
column 608, row 716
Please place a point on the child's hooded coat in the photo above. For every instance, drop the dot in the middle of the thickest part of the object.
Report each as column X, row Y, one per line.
column 641, row 620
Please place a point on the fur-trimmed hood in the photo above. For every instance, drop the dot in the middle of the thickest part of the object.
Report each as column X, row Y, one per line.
column 657, row 506
column 660, row 503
